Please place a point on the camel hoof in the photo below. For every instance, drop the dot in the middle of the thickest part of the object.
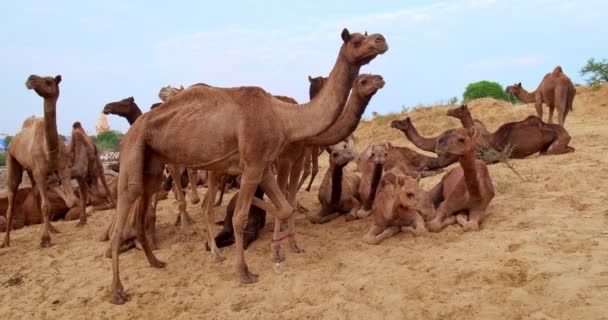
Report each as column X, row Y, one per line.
column 195, row 200
column 157, row 264
column 471, row 226
column 248, row 277
column 434, row 226
column 349, row 218
column 219, row 258
column 5, row 244
column 46, row 243
column 295, row 249
column 120, row 297
column 81, row 224
column 53, row 229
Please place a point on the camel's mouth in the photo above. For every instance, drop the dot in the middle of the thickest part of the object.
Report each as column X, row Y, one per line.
column 398, row 124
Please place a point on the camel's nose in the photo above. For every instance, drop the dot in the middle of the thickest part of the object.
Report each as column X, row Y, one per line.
column 380, row 38
column 442, row 140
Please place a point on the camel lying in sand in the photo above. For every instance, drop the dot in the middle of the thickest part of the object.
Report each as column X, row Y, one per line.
column 400, row 205
column 415, row 164
column 556, row 90
column 370, row 163
column 338, row 191
column 467, row 189
column 37, row 150
column 526, row 137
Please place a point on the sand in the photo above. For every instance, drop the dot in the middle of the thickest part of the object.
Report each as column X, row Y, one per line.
column 541, row 254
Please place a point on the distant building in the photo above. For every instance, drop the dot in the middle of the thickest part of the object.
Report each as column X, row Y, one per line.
column 102, row 124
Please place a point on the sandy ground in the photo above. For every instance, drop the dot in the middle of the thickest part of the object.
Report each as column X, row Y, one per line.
column 541, row 253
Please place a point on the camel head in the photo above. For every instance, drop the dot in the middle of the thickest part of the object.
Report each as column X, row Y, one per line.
column 460, row 112
column 168, row 92
column 514, row 89
column 121, row 108
column 409, row 196
column 379, row 152
column 457, row 142
column 46, row 87
column 366, row 85
column 359, row 49
column 341, row 154
column 404, row 124
column 316, row 84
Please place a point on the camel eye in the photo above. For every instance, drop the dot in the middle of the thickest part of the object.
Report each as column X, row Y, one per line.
column 357, row 43
column 410, row 194
column 461, row 140
column 373, row 154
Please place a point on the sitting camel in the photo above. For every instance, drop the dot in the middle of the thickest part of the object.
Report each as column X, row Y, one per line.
column 37, row 149
column 86, row 168
column 526, row 137
column 370, row 163
column 467, row 188
column 426, row 144
column 401, row 205
column 338, row 191
column 556, row 90
column 415, row 164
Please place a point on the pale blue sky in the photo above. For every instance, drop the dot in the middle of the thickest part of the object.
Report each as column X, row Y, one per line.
column 109, row 50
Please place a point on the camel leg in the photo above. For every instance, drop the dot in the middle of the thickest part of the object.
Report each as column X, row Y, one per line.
column 251, row 178
column 292, row 193
column 559, row 145
column 444, row 210
column 475, row 218
column 353, row 213
column 104, row 182
column 551, row 110
column 306, row 170
column 539, row 109
column 284, row 170
column 222, row 190
column 40, row 181
column 193, row 180
column 14, row 172
column 207, row 207
column 151, row 185
column 123, row 204
column 84, row 195
column 418, row 228
column 377, row 234
column 315, row 166
column 183, row 219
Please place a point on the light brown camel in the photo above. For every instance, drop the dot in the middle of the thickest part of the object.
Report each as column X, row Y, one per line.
column 526, row 137
column 311, row 163
column 338, row 191
column 556, row 90
column 415, row 164
column 426, row 144
column 181, row 132
column 86, row 168
column 401, row 205
column 467, row 189
column 370, row 163
column 37, row 149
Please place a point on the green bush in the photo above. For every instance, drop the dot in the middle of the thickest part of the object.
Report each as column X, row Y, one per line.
column 598, row 71
column 2, row 159
column 483, row 89
column 108, row 141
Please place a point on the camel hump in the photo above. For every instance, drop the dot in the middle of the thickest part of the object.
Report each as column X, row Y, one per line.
column 28, row 122
column 558, row 70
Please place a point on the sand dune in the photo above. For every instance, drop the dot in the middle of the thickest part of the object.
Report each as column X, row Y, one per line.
column 541, row 254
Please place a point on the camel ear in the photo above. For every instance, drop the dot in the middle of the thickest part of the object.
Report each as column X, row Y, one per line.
column 366, row 33
column 472, row 132
column 181, row 87
column 309, row 78
column 519, row 84
column 345, row 35
column 401, row 180
column 130, row 99
column 57, row 79
column 388, row 145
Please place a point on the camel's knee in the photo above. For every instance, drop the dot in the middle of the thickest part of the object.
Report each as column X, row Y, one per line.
column 134, row 191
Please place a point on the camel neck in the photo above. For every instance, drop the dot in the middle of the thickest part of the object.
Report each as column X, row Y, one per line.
column 526, row 96
column 133, row 115
column 467, row 120
column 426, row 144
column 470, row 173
column 376, row 175
column 336, row 185
column 50, row 126
column 345, row 125
column 314, row 117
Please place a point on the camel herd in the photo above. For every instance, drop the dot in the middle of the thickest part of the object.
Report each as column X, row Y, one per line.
column 272, row 145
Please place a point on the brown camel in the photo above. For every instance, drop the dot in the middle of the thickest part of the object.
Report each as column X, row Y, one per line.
column 338, row 191
column 180, row 132
column 426, row 144
column 371, row 164
column 36, row 149
column 415, row 164
column 311, row 163
column 86, row 168
column 526, row 137
column 556, row 91
column 465, row 189
column 401, row 205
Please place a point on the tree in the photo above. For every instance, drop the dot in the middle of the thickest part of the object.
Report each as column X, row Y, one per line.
column 598, row 71
column 482, row 89
column 62, row 137
column 8, row 140
column 108, row 141
column 2, row 159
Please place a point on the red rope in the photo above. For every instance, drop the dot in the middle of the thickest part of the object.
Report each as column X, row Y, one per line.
column 289, row 235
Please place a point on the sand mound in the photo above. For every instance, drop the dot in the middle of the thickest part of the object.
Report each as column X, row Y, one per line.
column 541, row 253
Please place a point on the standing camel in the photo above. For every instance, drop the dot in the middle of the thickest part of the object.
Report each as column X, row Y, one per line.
column 37, row 149
column 181, row 132
column 86, row 168
column 556, row 91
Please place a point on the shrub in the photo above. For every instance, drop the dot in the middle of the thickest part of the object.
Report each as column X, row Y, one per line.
column 483, row 89
column 108, row 141
column 598, row 71
column 2, row 159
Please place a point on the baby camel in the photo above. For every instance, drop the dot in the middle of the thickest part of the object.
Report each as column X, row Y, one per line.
column 371, row 163
column 36, row 149
column 467, row 188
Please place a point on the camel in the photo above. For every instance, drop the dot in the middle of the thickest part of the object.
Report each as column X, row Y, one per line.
column 311, row 163
column 86, row 168
column 467, row 188
column 370, row 163
column 180, row 132
column 37, row 149
column 415, row 164
column 526, row 137
column 338, row 191
column 426, row 144
column 401, row 205
column 556, row 90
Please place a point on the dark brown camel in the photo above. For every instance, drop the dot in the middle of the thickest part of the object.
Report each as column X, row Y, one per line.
column 556, row 90
column 467, row 189
column 526, row 137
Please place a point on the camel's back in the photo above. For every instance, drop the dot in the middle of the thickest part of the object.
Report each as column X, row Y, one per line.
column 29, row 143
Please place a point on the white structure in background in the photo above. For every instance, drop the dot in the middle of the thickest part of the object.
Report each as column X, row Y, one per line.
column 102, row 124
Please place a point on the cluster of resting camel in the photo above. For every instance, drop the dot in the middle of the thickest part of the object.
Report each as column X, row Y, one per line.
column 272, row 144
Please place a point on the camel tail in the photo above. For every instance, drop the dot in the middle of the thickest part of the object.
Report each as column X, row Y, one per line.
column 558, row 70
column 570, row 101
